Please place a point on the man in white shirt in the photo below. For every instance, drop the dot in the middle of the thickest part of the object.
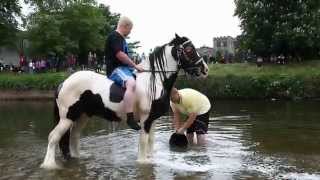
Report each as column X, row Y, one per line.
column 196, row 107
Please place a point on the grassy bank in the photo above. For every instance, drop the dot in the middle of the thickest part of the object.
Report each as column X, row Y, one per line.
column 247, row 81
column 42, row 81
column 226, row 81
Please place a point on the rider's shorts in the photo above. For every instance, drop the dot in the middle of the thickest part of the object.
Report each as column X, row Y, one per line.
column 121, row 74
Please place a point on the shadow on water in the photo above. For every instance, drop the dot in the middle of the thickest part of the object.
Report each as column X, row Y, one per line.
column 246, row 140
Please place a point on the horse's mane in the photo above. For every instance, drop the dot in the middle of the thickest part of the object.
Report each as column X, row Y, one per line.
column 157, row 59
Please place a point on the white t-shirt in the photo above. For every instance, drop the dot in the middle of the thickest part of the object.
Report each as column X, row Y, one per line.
column 192, row 101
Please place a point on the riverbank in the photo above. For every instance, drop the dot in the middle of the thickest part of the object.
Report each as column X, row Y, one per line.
column 225, row 81
column 271, row 81
column 35, row 95
column 41, row 86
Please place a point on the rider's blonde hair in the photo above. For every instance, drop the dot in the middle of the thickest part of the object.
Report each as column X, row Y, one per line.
column 125, row 22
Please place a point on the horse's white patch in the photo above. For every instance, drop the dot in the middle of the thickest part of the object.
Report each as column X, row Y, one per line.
column 98, row 86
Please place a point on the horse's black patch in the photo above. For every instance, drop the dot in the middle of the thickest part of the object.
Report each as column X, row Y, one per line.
column 160, row 106
column 91, row 104
column 116, row 93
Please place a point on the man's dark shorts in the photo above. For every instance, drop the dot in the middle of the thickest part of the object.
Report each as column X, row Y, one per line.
column 200, row 125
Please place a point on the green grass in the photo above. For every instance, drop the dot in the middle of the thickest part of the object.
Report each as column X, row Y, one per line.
column 225, row 81
column 246, row 69
column 247, row 81
column 43, row 81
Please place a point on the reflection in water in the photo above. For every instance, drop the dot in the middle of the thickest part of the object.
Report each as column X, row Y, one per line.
column 247, row 139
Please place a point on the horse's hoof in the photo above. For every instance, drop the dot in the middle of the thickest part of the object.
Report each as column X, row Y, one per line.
column 144, row 161
column 149, row 156
column 51, row 166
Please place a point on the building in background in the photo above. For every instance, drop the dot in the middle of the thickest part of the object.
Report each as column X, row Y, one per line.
column 224, row 48
column 206, row 52
column 9, row 55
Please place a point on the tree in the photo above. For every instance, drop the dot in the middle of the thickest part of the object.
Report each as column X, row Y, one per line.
column 133, row 46
column 111, row 19
column 219, row 57
column 9, row 10
column 55, row 5
column 289, row 27
column 70, row 26
column 45, row 36
column 76, row 27
column 84, row 27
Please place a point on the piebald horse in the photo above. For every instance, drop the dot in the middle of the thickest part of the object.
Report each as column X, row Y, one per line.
column 86, row 93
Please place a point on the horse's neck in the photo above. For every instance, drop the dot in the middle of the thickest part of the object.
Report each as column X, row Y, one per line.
column 170, row 64
column 168, row 68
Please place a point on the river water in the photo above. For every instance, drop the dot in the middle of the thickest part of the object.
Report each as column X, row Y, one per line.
column 246, row 140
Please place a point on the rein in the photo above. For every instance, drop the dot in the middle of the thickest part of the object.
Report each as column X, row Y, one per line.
column 158, row 71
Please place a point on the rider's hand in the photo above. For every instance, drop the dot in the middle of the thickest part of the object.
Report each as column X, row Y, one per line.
column 138, row 68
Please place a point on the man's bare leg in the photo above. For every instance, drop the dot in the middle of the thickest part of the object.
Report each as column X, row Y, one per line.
column 201, row 138
column 190, row 138
column 128, row 100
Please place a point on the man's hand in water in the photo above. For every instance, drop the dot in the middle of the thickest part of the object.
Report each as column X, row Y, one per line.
column 181, row 131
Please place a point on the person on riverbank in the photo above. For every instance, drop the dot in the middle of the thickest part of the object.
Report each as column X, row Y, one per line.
column 191, row 111
column 120, row 67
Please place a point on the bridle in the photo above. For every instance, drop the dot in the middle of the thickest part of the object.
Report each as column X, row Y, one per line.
column 181, row 57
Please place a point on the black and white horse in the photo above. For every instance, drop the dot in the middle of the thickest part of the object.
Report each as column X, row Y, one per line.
column 86, row 93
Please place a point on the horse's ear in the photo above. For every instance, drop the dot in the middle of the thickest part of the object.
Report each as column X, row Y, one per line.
column 177, row 36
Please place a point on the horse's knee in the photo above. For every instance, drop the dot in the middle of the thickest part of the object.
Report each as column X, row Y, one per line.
column 59, row 130
column 53, row 138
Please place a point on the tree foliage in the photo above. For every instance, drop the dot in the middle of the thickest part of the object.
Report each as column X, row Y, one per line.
column 75, row 27
column 289, row 27
column 55, row 5
column 59, row 27
column 9, row 11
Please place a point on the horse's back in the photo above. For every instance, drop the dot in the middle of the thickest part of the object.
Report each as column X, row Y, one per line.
column 81, row 81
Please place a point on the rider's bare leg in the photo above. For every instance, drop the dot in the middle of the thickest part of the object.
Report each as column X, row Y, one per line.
column 128, row 100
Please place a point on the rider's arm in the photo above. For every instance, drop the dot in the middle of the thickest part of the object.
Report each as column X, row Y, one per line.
column 124, row 58
column 188, row 123
column 116, row 45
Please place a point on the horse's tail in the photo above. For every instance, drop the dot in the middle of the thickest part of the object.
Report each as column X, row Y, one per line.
column 64, row 141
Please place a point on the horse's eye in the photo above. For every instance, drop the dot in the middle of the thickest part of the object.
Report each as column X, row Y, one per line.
column 188, row 49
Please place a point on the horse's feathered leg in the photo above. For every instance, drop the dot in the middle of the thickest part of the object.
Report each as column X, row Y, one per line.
column 64, row 144
column 150, row 141
column 143, row 140
column 54, row 137
column 75, row 135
